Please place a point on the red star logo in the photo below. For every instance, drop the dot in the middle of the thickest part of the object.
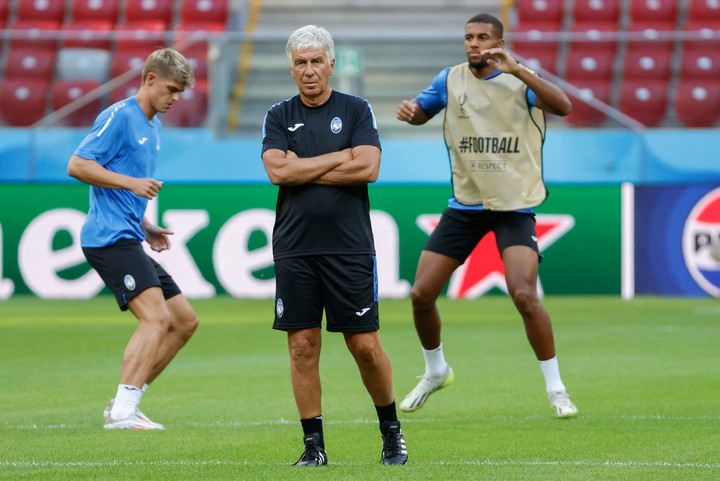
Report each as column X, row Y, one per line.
column 484, row 268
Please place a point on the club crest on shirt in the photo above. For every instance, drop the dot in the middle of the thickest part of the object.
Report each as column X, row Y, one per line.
column 129, row 282
column 336, row 125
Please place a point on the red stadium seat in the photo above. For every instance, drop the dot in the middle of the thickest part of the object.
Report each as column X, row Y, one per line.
column 30, row 63
column 34, row 34
column 87, row 34
column 190, row 110
column 213, row 11
column 697, row 102
column 149, row 10
column 126, row 60
column 95, row 10
column 546, row 11
column 125, row 90
column 596, row 11
column 701, row 34
column 589, row 64
column 537, row 42
column 594, row 35
column 704, row 10
column 583, row 114
column 647, row 63
column 66, row 91
column 654, row 11
column 23, row 101
column 701, row 64
column 52, row 10
column 652, row 35
column 141, row 34
column 644, row 100
column 4, row 9
column 541, row 59
column 195, row 50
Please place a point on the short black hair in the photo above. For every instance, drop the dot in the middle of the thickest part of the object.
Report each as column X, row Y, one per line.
column 487, row 18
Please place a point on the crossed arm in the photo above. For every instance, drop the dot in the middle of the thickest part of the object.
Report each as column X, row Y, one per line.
column 357, row 165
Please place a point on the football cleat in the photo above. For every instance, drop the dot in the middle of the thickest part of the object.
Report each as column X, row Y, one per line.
column 314, row 454
column 416, row 398
column 108, row 409
column 394, row 450
column 564, row 407
column 134, row 421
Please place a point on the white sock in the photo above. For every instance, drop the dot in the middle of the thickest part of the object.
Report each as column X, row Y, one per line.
column 144, row 388
column 551, row 371
column 126, row 401
column 435, row 365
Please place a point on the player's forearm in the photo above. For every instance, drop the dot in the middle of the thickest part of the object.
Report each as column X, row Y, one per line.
column 288, row 169
column 92, row 173
column 549, row 96
column 363, row 168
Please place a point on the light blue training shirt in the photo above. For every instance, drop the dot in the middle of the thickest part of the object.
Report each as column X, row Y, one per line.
column 122, row 140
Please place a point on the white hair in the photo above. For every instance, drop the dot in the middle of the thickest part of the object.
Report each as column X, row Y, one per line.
column 311, row 37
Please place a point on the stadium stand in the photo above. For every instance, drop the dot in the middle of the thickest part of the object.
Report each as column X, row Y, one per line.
column 697, row 102
column 52, row 10
column 4, row 9
column 107, row 10
column 34, row 33
column 546, row 12
column 192, row 108
column 623, row 53
column 707, row 10
column 654, row 11
column 140, row 34
column 583, row 113
column 647, row 63
column 83, row 64
column 162, row 10
column 23, row 101
column 605, row 11
column 644, row 100
column 66, row 91
column 82, row 33
column 30, row 63
column 589, row 64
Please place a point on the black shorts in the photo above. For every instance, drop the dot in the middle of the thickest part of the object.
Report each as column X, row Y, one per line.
column 127, row 270
column 344, row 286
column 459, row 231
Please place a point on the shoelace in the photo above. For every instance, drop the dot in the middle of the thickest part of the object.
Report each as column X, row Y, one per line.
column 393, row 443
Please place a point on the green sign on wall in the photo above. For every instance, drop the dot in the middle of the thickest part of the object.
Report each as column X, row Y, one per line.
column 222, row 240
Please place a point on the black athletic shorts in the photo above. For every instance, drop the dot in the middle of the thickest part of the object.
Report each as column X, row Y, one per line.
column 459, row 231
column 344, row 286
column 127, row 270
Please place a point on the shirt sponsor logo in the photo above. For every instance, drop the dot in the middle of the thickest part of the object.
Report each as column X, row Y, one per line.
column 295, row 127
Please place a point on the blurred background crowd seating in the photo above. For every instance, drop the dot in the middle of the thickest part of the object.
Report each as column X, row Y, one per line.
column 626, row 63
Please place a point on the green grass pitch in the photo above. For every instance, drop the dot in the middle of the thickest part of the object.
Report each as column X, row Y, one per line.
column 645, row 374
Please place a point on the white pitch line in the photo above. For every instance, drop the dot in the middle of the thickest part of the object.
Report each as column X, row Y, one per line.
column 283, row 422
column 488, row 462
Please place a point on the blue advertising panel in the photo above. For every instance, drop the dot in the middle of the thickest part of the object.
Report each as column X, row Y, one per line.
column 677, row 240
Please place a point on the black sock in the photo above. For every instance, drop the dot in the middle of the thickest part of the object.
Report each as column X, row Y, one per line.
column 387, row 413
column 313, row 425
